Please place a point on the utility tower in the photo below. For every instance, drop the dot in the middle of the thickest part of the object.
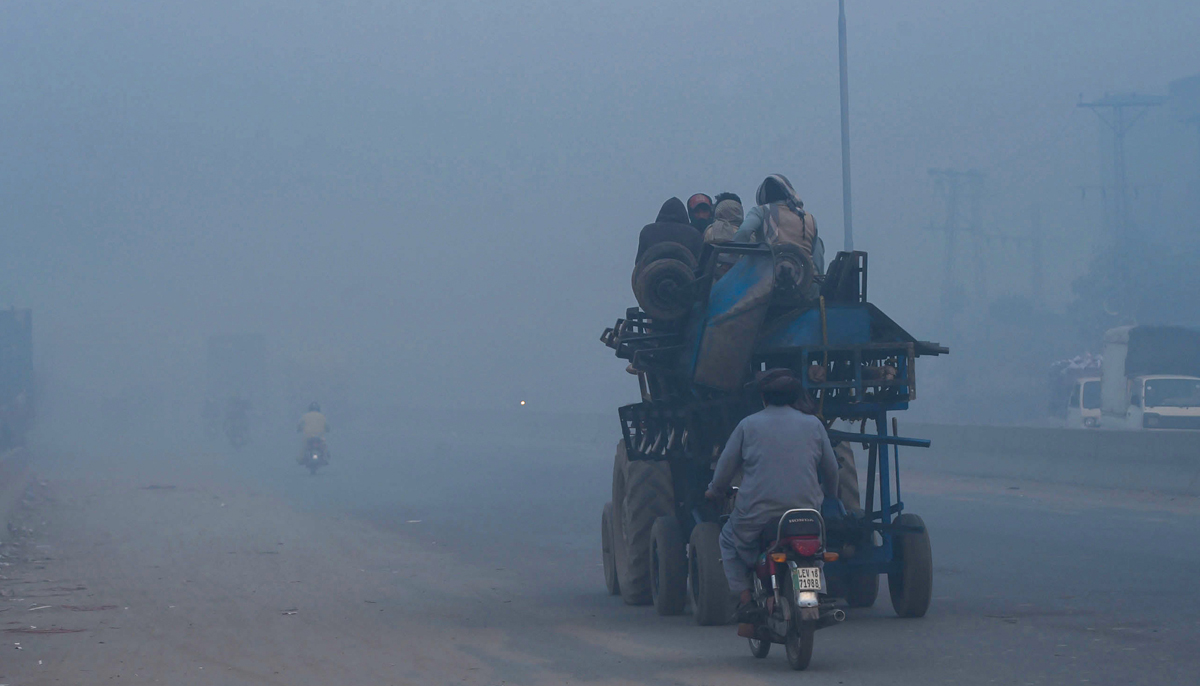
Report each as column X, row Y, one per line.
column 1185, row 107
column 962, row 192
column 1036, row 275
column 1120, row 113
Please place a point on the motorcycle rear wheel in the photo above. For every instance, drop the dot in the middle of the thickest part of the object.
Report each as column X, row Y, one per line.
column 799, row 643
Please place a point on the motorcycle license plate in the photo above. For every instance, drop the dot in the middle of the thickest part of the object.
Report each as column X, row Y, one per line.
column 806, row 579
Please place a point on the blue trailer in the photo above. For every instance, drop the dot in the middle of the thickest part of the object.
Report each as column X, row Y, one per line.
column 659, row 533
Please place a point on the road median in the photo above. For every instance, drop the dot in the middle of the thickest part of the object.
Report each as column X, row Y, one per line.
column 14, row 475
column 1162, row 461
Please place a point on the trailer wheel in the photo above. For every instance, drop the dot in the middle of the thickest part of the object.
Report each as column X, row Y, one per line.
column 862, row 590
column 668, row 566
column 641, row 493
column 606, row 545
column 711, row 598
column 911, row 587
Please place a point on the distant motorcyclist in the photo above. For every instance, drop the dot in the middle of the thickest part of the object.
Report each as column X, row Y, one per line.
column 787, row 462
column 312, row 423
column 313, row 427
column 237, row 421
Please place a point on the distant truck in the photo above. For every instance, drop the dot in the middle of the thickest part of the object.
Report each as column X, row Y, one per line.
column 16, row 376
column 1150, row 379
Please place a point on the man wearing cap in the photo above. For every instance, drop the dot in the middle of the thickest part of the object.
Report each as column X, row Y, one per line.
column 787, row 462
column 700, row 211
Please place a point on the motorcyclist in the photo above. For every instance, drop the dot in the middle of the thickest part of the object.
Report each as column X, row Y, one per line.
column 786, row 461
column 313, row 427
column 237, row 421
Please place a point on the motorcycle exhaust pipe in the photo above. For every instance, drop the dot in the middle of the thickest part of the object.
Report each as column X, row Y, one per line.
column 828, row 620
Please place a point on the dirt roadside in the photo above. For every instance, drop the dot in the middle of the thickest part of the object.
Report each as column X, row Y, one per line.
column 167, row 571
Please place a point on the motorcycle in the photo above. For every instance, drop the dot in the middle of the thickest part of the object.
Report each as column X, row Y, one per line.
column 315, row 455
column 788, row 588
column 237, row 423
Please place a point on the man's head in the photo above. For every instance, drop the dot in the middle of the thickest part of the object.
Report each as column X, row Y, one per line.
column 314, row 406
column 672, row 212
column 700, row 210
column 777, row 188
column 722, row 197
column 778, row 387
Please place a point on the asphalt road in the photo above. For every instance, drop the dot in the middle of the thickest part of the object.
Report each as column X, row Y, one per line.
column 457, row 555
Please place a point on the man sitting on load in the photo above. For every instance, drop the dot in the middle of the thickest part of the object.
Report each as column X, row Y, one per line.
column 779, row 218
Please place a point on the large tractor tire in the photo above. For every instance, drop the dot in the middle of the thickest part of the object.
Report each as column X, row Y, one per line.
column 668, row 251
column 712, row 602
column 641, row 494
column 668, row 566
column 862, row 590
column 606, row 546
column 911, row 587
column 663, row 289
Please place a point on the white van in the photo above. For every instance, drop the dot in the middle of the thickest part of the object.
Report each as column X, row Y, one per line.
column 1083, row 409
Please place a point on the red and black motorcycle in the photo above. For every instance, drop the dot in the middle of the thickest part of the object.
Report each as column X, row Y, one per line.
column 789, row 587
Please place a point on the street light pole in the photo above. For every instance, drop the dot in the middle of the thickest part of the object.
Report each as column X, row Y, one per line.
column 848, row 223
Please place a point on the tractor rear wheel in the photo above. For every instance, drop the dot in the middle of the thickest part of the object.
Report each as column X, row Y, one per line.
column 668, row 566
column 641, row 493
column 606, row 546
column 911, row 587
column 711, row 599
column 862, row 590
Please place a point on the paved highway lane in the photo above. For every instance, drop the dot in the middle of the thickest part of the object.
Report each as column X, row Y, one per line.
column 467, row 557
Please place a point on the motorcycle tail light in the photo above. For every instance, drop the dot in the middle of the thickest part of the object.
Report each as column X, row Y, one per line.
column 806, row 546
column 779, row 557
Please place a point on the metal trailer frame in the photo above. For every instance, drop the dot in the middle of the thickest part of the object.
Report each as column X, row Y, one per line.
column 687, row 425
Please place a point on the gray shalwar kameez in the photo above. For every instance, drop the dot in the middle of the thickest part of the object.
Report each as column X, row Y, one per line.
column 787, row 462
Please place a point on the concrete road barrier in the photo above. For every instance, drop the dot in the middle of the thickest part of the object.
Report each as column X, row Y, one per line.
column 1163, row 461
column 14, row 474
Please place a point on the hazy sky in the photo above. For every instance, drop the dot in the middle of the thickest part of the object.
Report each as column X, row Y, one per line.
column 443, row 199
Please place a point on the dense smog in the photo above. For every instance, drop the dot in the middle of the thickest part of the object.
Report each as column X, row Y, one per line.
column 534, row 343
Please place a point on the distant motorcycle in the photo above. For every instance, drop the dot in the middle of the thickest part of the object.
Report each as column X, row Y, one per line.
column 788, row 586
column 315, row 455
column 237, row 423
